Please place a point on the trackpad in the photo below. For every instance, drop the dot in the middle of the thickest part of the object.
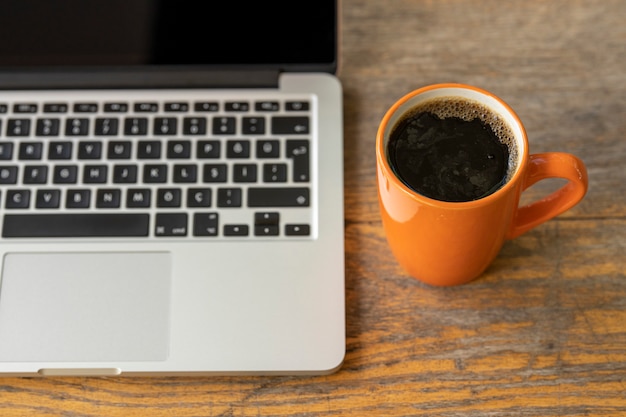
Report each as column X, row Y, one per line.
column 84, row 307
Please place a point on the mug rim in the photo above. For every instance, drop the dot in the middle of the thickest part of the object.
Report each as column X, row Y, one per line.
column 383, row 162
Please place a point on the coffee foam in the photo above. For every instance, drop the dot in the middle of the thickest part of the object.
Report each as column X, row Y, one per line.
column 468, row 110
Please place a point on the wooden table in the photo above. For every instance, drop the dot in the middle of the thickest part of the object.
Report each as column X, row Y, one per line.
column 542, row 333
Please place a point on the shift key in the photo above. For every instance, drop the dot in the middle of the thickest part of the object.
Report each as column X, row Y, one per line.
column 278, row 197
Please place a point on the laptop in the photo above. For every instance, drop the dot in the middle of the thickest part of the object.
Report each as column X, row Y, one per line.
column 171, row 188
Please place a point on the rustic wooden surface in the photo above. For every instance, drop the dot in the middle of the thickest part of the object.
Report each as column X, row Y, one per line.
column 542, row 333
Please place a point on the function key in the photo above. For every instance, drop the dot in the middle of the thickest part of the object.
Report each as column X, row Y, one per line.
column 116, row 107
column 266, row 106
column 206, row 106
column 237, row 106
column 85, row 107
column 25, row 108
column 176, row 107
column 3, row 108
column 297, row 105
column 55, row 108
column 146, row 107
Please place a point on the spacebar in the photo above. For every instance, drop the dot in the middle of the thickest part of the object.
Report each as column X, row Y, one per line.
column 75, row 225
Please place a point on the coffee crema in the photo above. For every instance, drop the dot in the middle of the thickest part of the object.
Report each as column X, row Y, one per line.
column 452, row 149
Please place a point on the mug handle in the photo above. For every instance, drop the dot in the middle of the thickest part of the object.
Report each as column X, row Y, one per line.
column 550, row 165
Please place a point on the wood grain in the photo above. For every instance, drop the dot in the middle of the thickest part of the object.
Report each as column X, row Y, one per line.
column 542, row 333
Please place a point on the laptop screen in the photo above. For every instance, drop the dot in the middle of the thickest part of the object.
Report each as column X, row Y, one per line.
column 286, row 34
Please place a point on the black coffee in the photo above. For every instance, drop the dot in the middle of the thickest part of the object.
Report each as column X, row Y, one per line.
column 451, row 149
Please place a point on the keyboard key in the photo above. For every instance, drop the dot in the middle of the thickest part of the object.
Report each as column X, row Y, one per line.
column 165, row 126
column 106, row 127
column 178, row 149
column 136, row 126
column 125, row 174
column 65, row 174
column 244, row 172
column 266, row 106
column 206, row 106
column 95, row 174
column 89, row 150
column 60, row 150
column 224, row 126
column 138, row 197
column 75, row 225
column 266, row 230
column 18, row 127
column 187, row 173
column 278, row 197
column 297, row 106
column 214, row 173
column 8, row 175
column 119, row 149
column 253, row 125
column 297, row 230
column 47, row 127
column 77, row 127
column 3, row 108
column 35, row 174
column 108, row 198
column 194, row 126
column 77, row 199
column 208, row 149
column 149, row 149
column 170, row 224
column 289, row 125
column 168, row 197
column 205, row 224
column 229, row 197
column 147, row 107
column 116, row 107
column 17, row 199
column 298, row 151
column 30, row 150
column 199, row 197
column 154, row 173
column 177, row 107
column 267, row 149
column 236, row 230
column 237, row 106
column 55, row 108
column 274, row 172
column 6, row 151
column 47, row 199
column 85, row 107
column 25, row 108
column 238, row 149
column 266, row 218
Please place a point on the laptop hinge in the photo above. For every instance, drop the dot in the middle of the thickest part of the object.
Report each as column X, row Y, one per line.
column 125, row 79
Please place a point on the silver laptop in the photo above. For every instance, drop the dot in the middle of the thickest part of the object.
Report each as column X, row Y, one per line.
column 171, row 188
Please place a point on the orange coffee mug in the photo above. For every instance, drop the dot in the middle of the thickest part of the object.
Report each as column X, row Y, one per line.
column 447, row 243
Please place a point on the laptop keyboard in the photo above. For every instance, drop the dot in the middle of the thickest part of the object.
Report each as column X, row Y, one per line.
column 183, row 167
